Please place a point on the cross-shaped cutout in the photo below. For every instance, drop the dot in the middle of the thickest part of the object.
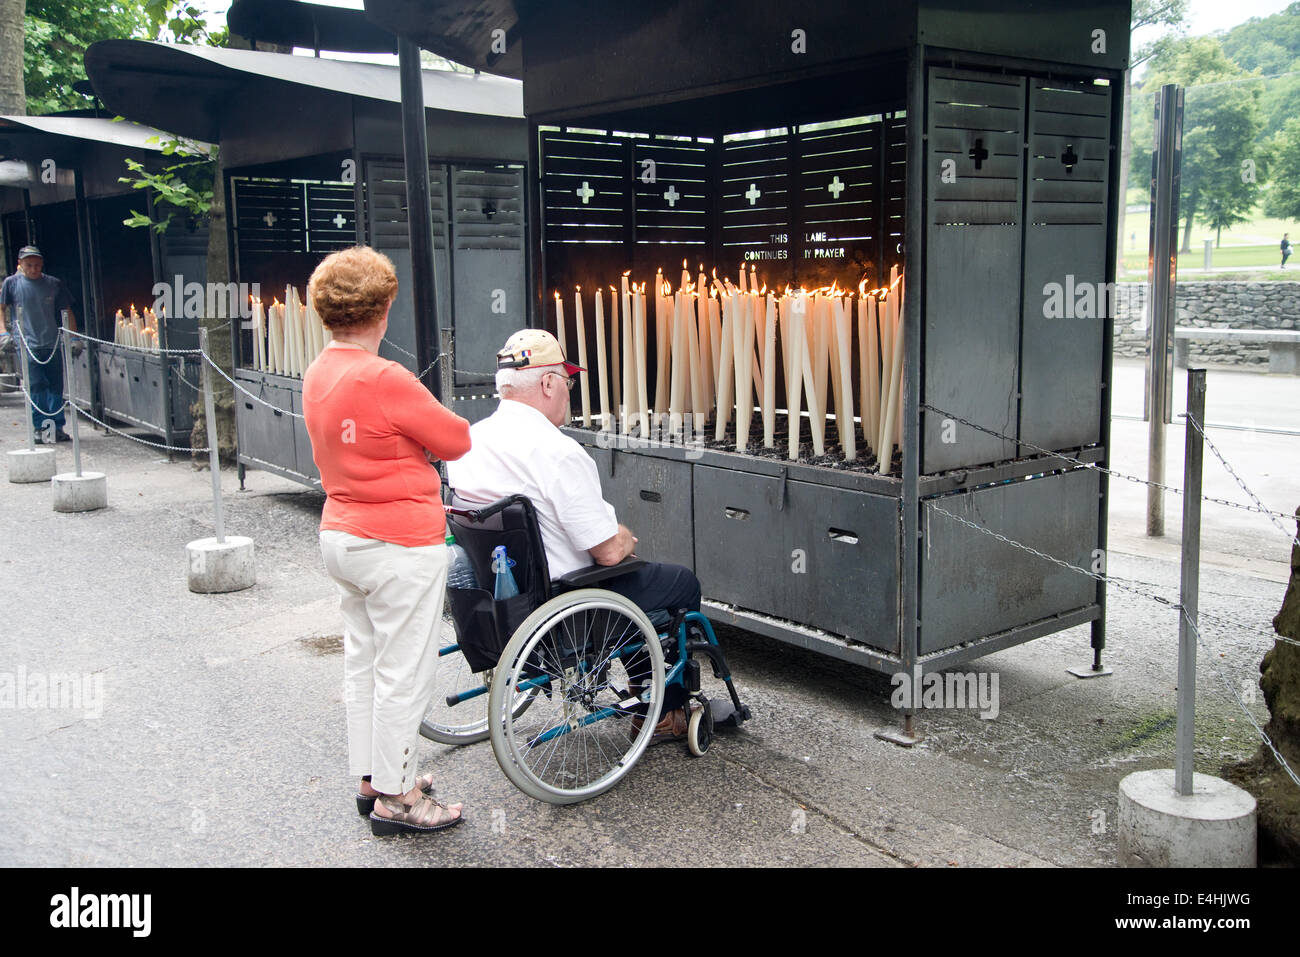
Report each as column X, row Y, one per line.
column 1070, row 158
column 270, row 219
column 835, row 188
column 585, row 193
column 672, row 196
column 752, row 194
column 339, row 221
column 978, row 153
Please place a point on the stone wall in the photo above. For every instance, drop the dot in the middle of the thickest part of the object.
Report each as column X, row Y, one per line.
column 1216, row 305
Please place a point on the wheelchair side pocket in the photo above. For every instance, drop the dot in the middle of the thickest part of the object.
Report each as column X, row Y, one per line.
column 484, row 626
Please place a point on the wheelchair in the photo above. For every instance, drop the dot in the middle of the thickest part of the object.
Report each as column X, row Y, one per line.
column 573, row 676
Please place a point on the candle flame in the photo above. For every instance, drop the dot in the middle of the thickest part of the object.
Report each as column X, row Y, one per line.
column 627, row 272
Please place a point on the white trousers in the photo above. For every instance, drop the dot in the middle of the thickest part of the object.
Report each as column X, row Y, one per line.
column 391, row 597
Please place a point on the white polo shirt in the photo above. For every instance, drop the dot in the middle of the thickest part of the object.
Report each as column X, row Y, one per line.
column 517, row 451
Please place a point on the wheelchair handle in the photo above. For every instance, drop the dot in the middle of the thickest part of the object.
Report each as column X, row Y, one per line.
column 487, row 511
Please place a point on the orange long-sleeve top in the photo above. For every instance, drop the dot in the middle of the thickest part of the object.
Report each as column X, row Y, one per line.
column 370, row 421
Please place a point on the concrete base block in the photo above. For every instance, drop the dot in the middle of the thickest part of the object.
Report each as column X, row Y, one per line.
column 32, row 465
column 1214, row 826
column 221, row 566
column 1284, row 358
column 80, row 493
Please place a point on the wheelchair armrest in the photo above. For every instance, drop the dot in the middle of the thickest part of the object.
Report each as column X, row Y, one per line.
column 593, row 574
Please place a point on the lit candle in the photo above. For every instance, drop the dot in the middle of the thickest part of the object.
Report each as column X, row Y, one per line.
column 602, row 378
column 726, row 367
column 844, row 383
column 663, row 308
column 794, row 381
column 642, row 391
column 769, row 374
column 582, row 359
column 615, row 360
column 628, row 405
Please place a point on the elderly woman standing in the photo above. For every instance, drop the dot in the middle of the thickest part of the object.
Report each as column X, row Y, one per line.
column 375, row 431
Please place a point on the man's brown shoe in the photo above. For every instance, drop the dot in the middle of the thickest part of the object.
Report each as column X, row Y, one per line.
column 672, row 727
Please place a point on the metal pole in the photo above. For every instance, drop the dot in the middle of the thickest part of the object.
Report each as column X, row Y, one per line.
column 1193, row 459
column 72, row 394
column 419, row 217
column 214, row 459
column 446, row 374
column 21, row 338
column 1166, row 164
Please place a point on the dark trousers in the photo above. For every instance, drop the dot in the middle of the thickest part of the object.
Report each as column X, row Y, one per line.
column 661, row 590
column 46, row 387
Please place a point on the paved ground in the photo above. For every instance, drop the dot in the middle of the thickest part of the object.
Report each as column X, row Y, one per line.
column 221, row 739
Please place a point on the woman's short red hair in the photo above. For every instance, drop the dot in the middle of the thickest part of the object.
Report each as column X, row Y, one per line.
column 352, row 288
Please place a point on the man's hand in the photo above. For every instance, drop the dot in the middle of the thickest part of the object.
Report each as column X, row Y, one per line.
column 616, row 548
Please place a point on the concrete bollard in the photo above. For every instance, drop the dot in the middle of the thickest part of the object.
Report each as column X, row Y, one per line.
column 80, row 493
column 221, row 566
column 1214, row 826
column 31, row 465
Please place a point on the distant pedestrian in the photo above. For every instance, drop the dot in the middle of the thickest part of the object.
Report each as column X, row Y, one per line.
column 39, row 299
column 1286, row 248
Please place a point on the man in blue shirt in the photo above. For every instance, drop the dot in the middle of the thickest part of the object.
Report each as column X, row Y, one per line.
column 39, row 300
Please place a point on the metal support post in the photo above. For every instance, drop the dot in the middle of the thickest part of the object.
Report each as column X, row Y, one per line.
column 21, row 338
column 72, row 395
column 1166, row 179
column 415, row 150
column 214, row 458
column 1192, row 462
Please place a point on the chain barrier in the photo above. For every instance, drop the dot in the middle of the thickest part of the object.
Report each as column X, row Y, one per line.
column 32, row 402
column 1210, row 654
column 239, row 388
column 54, row 349
column 147, row 350
column 1110, row 580
column 1137, row 480
column 1237, row 478
column 153, row 445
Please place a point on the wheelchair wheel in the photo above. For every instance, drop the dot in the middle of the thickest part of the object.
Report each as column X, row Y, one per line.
column 466, row 722
column 583, row 731
column 699, row 732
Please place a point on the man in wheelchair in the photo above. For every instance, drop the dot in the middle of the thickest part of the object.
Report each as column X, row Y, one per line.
column 519, row 450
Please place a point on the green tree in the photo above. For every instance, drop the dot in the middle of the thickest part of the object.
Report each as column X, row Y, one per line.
column 58, row 32
column 1222, row 161
column 1283, row 197
column 1147, row 17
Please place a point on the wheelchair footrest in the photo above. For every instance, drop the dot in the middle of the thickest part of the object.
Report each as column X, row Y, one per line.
column 726, row 715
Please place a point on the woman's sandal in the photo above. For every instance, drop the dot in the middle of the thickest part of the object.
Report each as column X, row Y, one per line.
column 366, row 802
column 424, row 816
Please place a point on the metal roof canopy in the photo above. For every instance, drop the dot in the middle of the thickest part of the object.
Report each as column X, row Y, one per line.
column 94, row 145
column 600, row 62
column 195, row 90
column 308, row 25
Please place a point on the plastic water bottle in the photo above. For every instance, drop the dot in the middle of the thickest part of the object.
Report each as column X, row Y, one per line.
column 460, row 573
column 505, row 586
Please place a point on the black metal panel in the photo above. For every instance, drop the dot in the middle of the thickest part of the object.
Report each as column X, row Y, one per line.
column 266, row 435
column 821, row 557
column 653, row 498
column 487, row 207
column 306, row 464
column 973, row 258
column 1065, row 263
column 758, row 204
column 386, row 211
column 973, row 586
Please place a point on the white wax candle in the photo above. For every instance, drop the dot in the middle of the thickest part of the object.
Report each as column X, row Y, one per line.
column 583, row 384
column 769, row 374
column 602, row 377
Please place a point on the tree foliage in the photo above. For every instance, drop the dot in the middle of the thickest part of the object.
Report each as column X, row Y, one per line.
column 1223, row 163
column 59, row 31
column 1283, row 200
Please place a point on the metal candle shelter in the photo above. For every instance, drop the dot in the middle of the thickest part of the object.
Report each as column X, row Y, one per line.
column 973, row 145
column 312, row 152
column 60, row 191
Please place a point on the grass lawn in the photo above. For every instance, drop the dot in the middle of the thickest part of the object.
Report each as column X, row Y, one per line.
column 1251, row 246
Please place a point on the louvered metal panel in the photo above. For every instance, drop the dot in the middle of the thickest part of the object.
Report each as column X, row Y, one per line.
column 672, row 207
column 757, row 192
column 972, row 313
column 1063, row 343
